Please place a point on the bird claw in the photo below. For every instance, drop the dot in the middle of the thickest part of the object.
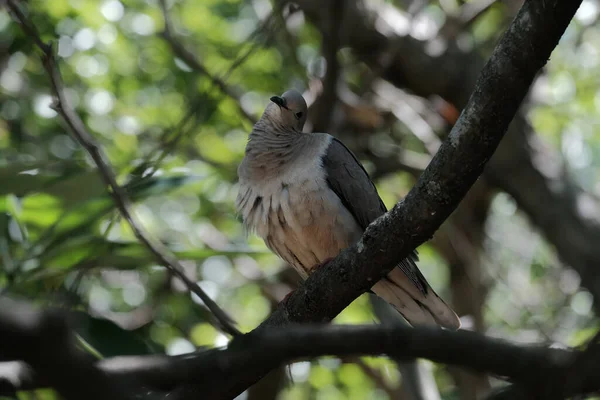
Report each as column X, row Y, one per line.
column 287, row 296
column 315, row 267
column 321, row 264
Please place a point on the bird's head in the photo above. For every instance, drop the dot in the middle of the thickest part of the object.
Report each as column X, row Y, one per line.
column 287, row 111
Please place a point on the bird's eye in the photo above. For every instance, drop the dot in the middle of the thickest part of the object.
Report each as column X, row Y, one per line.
column 299, row 115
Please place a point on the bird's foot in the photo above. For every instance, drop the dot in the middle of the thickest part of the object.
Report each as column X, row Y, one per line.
column 313, row 269
column 321, row 264
column 287, row 296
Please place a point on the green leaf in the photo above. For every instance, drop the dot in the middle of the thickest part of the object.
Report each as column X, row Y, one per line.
column 82, row 220
column 65, row 180
column 147, row 187
column 122, row 255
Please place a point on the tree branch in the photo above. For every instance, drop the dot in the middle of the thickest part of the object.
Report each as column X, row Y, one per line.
column 501, row 87
column 570, row 382
column 120, row 198
column 522, row 166
column 38, row 338
column 458, row 163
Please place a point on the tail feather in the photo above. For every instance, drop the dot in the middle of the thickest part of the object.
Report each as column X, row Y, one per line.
column 417, row 307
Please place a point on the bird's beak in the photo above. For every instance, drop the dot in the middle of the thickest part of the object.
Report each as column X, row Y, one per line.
column 280, row 101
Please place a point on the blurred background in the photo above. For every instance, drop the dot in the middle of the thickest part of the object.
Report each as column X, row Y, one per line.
column 171, row 89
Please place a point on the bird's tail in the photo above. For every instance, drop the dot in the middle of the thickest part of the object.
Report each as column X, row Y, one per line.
column 416, row 306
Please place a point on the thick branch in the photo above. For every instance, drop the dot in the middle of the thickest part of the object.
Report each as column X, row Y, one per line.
column 529, row 366
column 120, row 198
column 522, row 166
column 538, row 369
column 501, row 87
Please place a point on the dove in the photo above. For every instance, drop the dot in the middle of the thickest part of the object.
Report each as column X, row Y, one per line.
column 308, row 197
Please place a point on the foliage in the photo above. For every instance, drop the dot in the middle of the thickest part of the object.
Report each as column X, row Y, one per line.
column 175, row 140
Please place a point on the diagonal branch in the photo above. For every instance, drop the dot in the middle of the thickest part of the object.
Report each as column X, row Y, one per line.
column 523, row 166
column 501, row 87
column 120, row 198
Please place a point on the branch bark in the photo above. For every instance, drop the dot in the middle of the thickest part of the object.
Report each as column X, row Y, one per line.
column 529, row 366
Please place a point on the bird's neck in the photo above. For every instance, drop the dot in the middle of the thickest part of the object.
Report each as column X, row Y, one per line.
column 271, row 148
column 273, row 131
column 272, row 141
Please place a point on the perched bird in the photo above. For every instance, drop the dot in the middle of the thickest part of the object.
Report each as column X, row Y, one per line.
column 308, row 197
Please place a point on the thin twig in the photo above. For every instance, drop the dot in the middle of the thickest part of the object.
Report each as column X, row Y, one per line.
column 265, row 26
column 401, row 108
column 468, row 14
column 192, row 61
column 471, row 11
column 269, row 25
column 79, row 131
column 375, row 376
column 171, row 137
column 176, row 133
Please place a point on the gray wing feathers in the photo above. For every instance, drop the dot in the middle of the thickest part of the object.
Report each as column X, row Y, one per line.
column 348, row 179
column 404, row 287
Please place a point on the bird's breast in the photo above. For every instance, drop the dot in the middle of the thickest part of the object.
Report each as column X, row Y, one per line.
column 298, row 216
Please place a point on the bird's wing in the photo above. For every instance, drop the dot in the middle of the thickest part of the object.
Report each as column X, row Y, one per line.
column 350, row 181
